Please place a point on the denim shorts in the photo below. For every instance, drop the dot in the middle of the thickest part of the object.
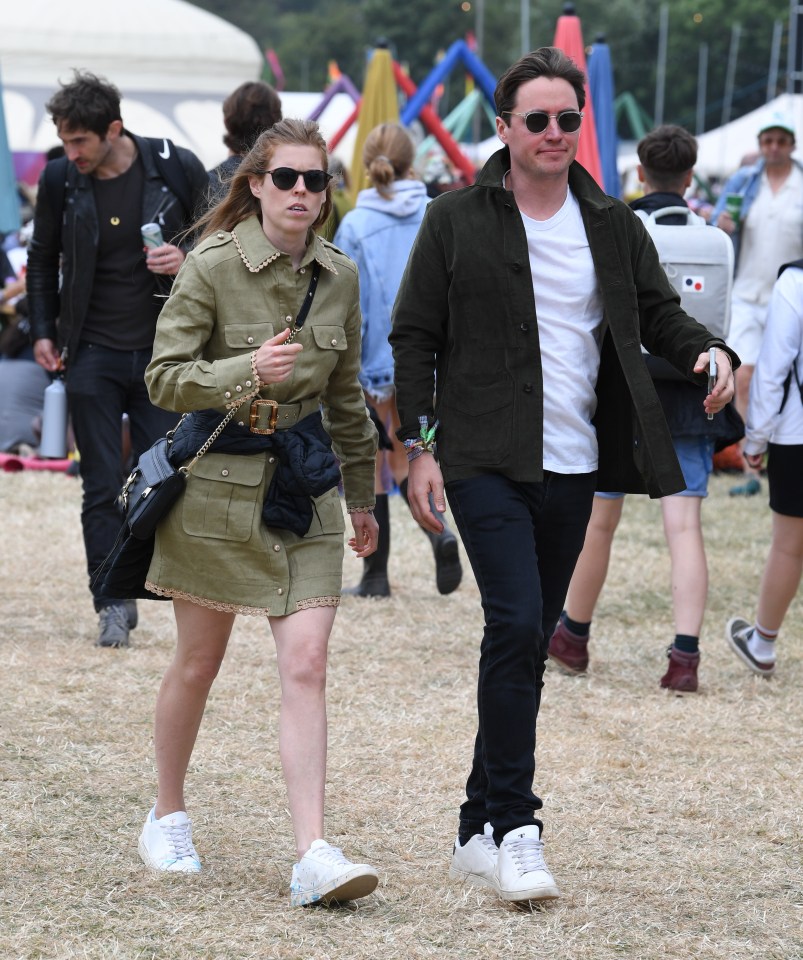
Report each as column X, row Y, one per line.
column 696, row 458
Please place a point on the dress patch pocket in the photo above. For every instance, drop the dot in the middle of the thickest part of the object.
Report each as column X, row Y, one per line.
column 222, row 496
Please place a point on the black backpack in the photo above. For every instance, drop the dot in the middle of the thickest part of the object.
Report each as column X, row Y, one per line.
column 170, row 168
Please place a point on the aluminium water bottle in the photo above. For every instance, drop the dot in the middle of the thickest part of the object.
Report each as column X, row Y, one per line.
column 54, row 422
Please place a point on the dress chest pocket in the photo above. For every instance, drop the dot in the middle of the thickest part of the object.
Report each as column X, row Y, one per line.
column 223, row 496
column 329, row 336
column 247, row 336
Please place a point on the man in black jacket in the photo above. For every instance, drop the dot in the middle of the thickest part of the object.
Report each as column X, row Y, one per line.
column 98, row 323
column 529, row 294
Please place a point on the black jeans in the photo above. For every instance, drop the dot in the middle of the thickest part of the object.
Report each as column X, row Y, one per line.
column 522, row 540
column 103, row 384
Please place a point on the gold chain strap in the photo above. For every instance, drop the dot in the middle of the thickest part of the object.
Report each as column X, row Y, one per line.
column 215, row 433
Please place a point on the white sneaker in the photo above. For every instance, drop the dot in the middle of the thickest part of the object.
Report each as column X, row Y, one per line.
column 323, row 874
column 475, row 861
column 166, row 843
column 521, row 873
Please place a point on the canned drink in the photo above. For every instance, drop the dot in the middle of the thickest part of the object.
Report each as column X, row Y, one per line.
column 152, row 235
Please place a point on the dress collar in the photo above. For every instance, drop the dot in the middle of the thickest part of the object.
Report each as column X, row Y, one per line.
column 256, row 251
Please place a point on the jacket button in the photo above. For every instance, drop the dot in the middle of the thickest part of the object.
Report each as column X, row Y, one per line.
column 224, row 473
column 271, row 459
column 280, row 591
column 227, row 394
column 528, row 388
column 250, row 340
column 516, row 266
column 248, row 383
column 221, row 236
column 288, row 319
column 238, row 388
column 240, row 423
column 525, row 328
column 303, row 270
column 334, row 343
column 276, row 547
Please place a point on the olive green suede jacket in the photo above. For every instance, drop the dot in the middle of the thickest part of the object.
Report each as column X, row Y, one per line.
column 465, row 319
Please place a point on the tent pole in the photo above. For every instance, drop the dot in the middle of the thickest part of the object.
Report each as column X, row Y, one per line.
column 702, row 86
column 730, row 77
column 660, row 80
column 775, row 57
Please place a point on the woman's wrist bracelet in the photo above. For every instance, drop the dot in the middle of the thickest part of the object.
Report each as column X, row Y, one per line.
column 359, row 509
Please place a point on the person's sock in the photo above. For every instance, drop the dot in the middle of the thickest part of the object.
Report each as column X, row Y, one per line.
column 686, row 643
column 574, row 626
column 761, row 643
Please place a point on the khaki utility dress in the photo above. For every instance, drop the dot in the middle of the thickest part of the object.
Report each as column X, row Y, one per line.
column 234, row 291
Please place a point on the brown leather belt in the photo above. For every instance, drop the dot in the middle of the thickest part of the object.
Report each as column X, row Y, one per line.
column 268, row 416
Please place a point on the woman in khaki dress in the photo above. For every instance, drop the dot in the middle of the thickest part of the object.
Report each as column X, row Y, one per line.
column 247, row 537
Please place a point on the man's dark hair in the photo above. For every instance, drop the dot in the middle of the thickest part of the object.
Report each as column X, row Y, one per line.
column 547, row 62
column 87, row 103
column 253, row 107
column 667, row 154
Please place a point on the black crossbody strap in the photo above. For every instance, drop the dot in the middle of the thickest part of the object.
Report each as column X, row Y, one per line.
column 305, row 306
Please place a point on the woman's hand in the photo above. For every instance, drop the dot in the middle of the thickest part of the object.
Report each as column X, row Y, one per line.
column 366, row 534
column 275, row 359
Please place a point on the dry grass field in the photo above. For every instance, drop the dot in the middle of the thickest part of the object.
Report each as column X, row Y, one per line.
column 673, row 824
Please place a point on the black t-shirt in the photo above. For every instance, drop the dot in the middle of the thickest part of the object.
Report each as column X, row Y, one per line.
column 123, row 309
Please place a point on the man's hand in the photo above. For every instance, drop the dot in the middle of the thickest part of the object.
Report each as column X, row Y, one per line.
column 726, row 222
column 722, row 393
column 166, row 259
column 46, row 355
column 366, row 534
column 425, row 477
column 754, row 460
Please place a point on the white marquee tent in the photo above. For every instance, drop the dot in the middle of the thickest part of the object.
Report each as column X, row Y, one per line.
column 173, row 62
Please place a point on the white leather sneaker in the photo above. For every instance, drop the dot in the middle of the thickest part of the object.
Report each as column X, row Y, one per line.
column 166, row 843
column 475, row 861
column 324, row 874
column 521, row 872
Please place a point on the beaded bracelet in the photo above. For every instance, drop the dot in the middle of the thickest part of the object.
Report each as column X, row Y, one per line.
column 359, row 509
column 257, row 382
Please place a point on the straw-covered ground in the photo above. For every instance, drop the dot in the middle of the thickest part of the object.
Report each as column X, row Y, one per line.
column 673, row 824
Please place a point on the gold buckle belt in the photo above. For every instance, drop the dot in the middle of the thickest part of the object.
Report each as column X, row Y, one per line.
column 264, row 414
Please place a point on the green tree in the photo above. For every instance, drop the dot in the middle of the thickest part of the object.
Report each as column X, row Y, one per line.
column 307, row 34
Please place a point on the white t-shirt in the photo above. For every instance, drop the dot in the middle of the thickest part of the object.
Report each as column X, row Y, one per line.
column 568, row 307
column 771, row 236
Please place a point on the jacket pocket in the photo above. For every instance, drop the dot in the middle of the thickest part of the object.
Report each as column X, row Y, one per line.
column 247, row 336
column 222, row 496
column 475, row 421
column 329, row 336
column 327, row 515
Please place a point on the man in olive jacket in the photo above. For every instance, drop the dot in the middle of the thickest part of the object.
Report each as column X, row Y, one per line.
column 525, row 302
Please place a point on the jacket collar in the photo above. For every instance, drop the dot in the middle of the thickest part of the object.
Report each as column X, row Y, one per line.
column 256, row 251
column 581, row 183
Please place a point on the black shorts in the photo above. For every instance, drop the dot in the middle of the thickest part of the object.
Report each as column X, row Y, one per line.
column 785, row 474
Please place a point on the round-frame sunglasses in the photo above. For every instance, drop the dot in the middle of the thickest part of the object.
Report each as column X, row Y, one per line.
column 537, row 121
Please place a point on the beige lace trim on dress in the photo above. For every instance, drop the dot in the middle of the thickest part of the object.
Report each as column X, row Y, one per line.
column 237, row 607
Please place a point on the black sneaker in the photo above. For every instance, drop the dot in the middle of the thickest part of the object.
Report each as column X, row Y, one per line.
column 114, row 626
column 737, row 633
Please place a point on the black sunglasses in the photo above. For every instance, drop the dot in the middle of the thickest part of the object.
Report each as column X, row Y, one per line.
column 537, row 121
column 285, row 178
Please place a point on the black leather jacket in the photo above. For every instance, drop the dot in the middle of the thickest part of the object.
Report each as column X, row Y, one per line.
column 57, row 309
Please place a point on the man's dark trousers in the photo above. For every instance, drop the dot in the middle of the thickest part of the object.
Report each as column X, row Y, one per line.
column 522, row 540
column 103, row 384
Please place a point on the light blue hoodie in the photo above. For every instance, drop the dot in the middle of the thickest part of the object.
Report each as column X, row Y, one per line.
column 378, row 235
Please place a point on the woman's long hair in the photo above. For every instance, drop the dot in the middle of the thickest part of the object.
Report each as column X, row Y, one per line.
column 239, row 203
column 388, row 155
